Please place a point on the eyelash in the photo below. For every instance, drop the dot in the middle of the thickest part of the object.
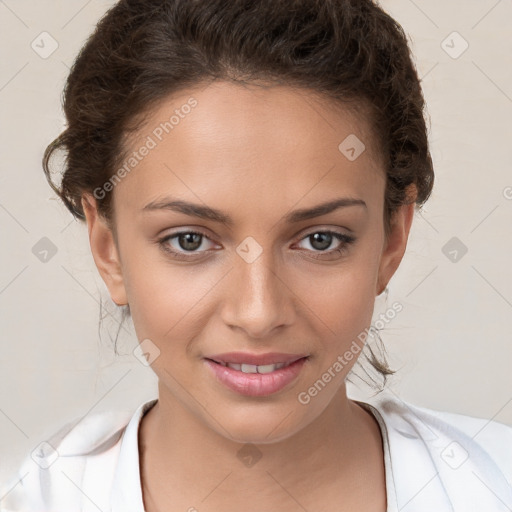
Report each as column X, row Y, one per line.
column 342, row 237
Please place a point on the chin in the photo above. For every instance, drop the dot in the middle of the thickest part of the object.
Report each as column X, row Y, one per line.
column 260, row 424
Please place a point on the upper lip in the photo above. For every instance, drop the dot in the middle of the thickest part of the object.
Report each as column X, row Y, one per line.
column 256, row 359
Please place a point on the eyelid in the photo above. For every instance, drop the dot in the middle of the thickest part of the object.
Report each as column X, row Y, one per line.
column 324, row 229
column 176, row 234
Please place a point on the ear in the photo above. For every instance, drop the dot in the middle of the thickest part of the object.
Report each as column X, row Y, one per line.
column 104, row 250
column 396, row 244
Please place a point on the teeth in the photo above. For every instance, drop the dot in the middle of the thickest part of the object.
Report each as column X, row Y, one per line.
column 249, row 368
column 252, row 368
column 266, row 368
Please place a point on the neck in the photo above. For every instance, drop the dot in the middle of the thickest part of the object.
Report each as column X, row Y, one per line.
column 178, row 452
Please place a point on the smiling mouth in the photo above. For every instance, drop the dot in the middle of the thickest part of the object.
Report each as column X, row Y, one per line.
column 254, row 380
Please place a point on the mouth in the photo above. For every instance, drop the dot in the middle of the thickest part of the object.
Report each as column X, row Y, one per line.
column 241, row 373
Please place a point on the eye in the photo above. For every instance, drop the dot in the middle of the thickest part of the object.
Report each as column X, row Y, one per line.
column 322, row 240
column 187, row 244
column 184, row 242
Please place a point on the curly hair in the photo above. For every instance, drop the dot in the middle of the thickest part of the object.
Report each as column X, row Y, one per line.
column 142, row 51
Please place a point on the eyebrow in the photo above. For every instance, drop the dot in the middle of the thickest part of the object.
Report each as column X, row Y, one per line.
column 207, row 213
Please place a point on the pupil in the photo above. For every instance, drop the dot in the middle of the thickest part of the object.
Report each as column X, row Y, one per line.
column 325, row 240
column 188, row 239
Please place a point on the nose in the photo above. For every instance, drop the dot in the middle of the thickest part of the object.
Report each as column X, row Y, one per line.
column 257, row 298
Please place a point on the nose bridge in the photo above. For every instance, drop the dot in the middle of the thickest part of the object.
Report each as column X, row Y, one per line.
column 259, row 300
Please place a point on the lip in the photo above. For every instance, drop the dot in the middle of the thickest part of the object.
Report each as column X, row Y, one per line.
column 257, row 359
column 257, row 384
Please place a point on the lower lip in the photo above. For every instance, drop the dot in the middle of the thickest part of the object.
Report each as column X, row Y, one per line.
column 256, row 384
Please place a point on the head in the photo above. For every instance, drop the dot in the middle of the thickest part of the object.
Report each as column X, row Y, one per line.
column 200, row 137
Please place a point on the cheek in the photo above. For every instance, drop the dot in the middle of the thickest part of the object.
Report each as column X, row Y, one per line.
column 342, row 302
column 165, row 299
column 345, row 309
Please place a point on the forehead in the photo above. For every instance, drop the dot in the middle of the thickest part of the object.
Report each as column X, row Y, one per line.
column 226, row 141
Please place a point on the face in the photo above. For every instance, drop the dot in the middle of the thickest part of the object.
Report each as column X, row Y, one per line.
column 222, row 248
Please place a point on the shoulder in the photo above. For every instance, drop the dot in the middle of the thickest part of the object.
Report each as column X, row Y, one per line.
column 73, row 465
column 493, row 437
column 442, row 455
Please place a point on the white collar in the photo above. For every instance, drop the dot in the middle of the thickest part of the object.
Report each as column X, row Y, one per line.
column 433, row 464
column 126, row 493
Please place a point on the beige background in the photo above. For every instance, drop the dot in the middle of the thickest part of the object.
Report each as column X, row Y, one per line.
column 452, row 342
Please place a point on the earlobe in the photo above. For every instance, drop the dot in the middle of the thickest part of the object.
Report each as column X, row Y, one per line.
column 104, row 250
column 396, row 244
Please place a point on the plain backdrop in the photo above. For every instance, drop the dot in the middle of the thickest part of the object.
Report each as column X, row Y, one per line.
column 451, row 343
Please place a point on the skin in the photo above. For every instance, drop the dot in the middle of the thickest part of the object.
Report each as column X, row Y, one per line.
column 255, row 153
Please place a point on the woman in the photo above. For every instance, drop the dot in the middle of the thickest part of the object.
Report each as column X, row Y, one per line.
column 249, row 172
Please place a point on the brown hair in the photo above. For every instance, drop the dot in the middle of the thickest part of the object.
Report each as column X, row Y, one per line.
column 141, row 51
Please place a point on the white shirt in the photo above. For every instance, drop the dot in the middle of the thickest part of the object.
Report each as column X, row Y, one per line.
column 434, row 462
